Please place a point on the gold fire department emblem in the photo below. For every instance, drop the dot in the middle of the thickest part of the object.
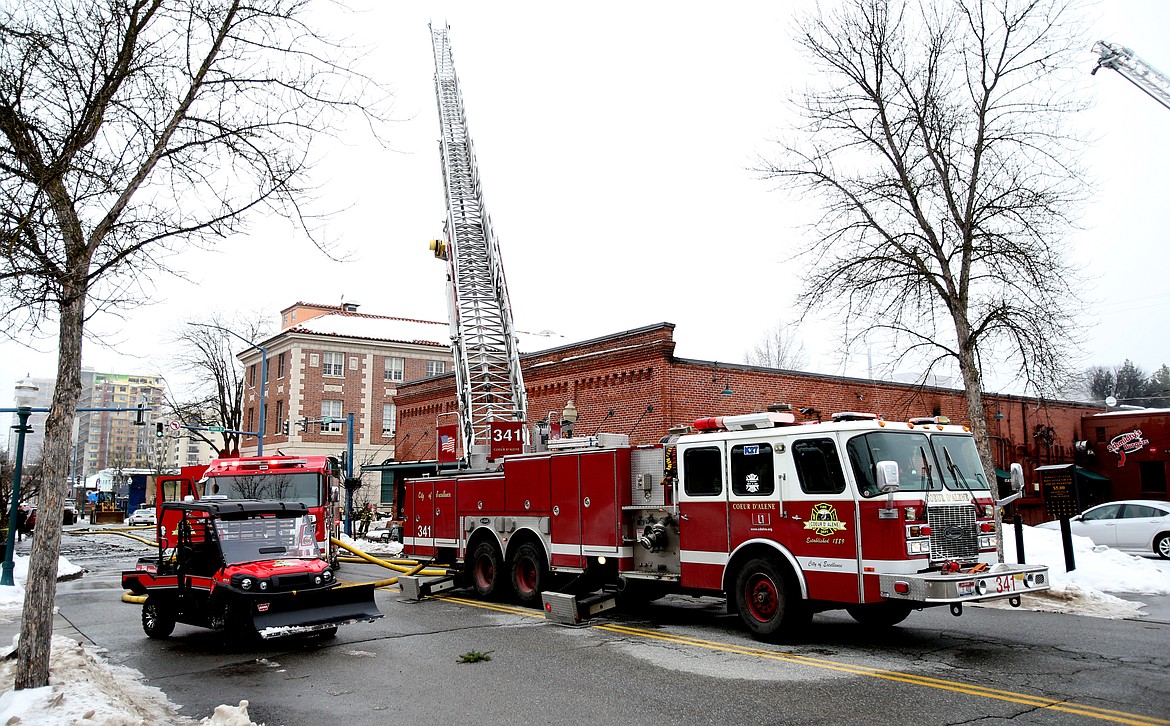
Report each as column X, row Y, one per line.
column 823, row 520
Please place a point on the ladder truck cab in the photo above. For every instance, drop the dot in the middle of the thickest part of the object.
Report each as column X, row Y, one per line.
column 784, row 519
column 314, row 481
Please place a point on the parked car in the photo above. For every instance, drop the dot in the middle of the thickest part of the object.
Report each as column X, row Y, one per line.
column 145, row 515
column 1135, row 525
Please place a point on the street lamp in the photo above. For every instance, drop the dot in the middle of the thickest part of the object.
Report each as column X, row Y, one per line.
column 263, row 379
column 24, row 400
column 568, row 418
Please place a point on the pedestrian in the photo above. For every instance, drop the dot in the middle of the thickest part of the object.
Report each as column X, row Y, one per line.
column 21, row 522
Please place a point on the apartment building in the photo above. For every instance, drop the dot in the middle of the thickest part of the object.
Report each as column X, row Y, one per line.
column 329, row 361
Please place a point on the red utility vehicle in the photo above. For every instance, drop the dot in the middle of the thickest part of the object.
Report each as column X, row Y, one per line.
column 244, row 566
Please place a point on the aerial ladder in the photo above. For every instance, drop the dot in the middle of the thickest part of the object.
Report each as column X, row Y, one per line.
column 1134, row 69
column 487, row 361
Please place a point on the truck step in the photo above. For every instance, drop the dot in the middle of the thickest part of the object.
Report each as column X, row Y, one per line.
column 568, row 609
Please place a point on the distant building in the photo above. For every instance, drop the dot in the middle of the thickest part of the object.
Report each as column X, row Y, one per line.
column 34, row 441
column 113, row 439
column 329, row 361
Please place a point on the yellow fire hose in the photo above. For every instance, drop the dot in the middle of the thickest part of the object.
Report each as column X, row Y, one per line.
column 389, row 565
column 120, row 533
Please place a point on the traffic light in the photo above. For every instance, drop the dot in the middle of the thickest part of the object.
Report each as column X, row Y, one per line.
column 138, row 416
column 158, row 430
column 285, row 428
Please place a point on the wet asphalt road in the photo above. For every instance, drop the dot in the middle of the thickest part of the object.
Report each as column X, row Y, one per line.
column 680, row 661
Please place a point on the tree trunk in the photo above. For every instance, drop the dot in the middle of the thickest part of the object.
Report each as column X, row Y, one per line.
column 973, row 388
column 36, row 625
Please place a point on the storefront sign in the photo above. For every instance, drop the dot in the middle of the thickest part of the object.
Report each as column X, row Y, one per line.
column 1127, row 443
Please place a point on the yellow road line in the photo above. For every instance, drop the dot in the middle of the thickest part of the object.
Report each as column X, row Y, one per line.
column 910, row 678
column 970, row 689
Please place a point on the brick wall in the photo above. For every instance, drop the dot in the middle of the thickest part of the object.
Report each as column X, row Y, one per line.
column 629, row 372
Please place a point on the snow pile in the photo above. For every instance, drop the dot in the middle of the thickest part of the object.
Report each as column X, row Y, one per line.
column 85, row 688
column 374, row 546
column 1098, row 570
column 12, row 598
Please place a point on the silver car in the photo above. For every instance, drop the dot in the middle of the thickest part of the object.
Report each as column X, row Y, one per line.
column 145, row 515
column 1135, row 525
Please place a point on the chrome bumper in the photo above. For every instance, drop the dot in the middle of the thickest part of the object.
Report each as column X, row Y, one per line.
column 999, row 581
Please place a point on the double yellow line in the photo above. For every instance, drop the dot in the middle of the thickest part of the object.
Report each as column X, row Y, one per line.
column 969, row 689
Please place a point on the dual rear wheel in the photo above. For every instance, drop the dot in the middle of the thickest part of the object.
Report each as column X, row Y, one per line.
column 525, row 574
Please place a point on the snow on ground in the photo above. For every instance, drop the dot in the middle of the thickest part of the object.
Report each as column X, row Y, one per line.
column 1099, row 571
column 85, row 688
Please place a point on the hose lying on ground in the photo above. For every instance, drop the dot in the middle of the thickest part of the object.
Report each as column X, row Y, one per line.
column 428, row 572
column 120, row 533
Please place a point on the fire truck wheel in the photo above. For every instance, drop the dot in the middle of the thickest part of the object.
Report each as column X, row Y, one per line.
column 487, row 570
column 158, row 620
column 762, row 598
column 528, row 573
column 879, row 614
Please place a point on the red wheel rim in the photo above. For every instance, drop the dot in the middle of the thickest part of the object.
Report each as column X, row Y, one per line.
column 526, row 574
column 762, row 598
column 485, row 574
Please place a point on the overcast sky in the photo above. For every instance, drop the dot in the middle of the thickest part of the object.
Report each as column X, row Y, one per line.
column 615, row 142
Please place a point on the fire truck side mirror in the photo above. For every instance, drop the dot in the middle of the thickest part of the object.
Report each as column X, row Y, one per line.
column 887, row 477
column 334, row 494
column 1017, row 477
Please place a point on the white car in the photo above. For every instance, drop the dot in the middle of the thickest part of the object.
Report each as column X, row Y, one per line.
column 143, row 516
column 1135, row 525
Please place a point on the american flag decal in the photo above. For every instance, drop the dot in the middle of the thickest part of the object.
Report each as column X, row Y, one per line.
column 447, row 444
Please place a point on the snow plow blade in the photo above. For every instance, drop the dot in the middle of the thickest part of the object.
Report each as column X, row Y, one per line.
column 306, row 611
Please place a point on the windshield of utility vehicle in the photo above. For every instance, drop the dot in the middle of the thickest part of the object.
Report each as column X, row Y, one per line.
column 266, row 538
column 925, row 463
column 303, row 487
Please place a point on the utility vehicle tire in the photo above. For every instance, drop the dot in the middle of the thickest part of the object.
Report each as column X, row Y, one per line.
column 158, row 618
column 487, row 571
column 1162, row 546
column 879, row 614
column 529, row 573
column 766, row 604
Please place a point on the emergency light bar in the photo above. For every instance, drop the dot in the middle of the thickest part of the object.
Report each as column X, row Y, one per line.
column 744, row 422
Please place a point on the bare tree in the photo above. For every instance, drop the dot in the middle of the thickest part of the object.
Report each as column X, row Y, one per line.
column 205, row 353
column 780, row 348
column 947, row 182
column 128, row 129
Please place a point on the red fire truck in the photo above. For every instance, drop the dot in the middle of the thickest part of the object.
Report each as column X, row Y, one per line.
column 311, row 480
column 784, row 519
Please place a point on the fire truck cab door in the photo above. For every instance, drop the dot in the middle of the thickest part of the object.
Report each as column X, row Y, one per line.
column 820, row 517
column 704, row 540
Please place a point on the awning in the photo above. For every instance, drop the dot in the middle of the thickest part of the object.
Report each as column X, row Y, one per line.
column 1091, row 475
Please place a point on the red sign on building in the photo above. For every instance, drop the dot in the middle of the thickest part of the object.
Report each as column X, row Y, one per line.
column 507, row 438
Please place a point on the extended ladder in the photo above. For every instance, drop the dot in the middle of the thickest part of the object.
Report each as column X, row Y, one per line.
column 1136, row 71
column 487, row 361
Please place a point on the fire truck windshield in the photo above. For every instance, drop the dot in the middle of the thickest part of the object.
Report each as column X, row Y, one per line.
column 916, row 469
column 301, row 487
column 963, row 469
column 918, row 457
column 266, row 538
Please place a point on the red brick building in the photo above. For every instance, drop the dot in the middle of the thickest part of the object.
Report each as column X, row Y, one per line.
column 632, row 383
column 1131, row 449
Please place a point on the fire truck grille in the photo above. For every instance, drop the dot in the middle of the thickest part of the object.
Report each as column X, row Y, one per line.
column 953, row 533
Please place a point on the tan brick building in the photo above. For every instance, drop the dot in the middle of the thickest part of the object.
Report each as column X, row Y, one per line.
column 329, row 361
